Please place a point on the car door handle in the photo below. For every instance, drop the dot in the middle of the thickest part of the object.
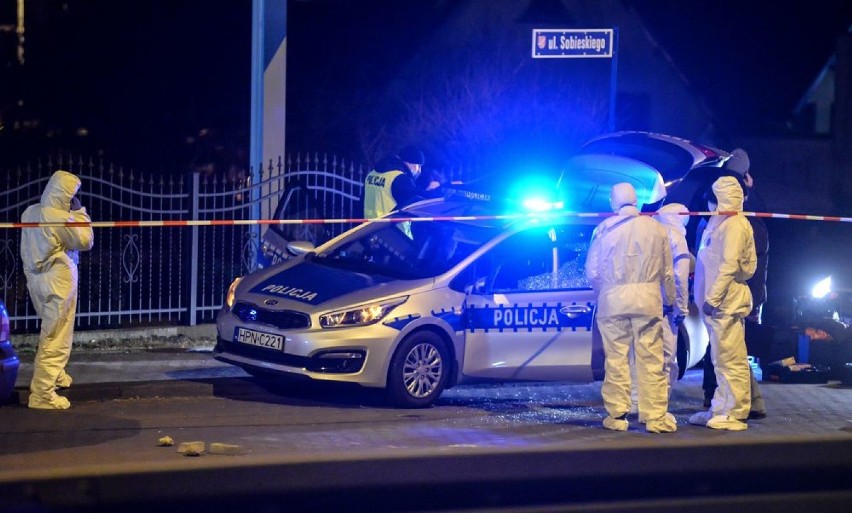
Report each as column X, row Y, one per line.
column 574, row 311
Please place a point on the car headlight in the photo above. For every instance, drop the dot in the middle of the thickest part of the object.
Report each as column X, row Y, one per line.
column 361, row 316
column 822, row 289
column 232, row 292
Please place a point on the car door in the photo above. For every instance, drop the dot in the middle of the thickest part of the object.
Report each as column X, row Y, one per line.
column 530, row 311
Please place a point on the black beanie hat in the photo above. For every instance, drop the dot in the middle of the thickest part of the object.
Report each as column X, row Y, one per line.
column 412, row 155
column 738, row 162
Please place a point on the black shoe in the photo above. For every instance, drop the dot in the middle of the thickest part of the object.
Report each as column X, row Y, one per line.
column 756, row 415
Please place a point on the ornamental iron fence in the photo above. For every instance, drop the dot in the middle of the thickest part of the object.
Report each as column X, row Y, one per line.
column 144, row 276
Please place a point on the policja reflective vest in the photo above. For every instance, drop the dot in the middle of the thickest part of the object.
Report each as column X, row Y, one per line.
column 378, row 196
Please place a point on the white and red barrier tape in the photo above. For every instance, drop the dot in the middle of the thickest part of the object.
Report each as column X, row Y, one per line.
column 243, row 222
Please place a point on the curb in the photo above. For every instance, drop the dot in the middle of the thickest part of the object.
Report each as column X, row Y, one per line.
column 137, row 339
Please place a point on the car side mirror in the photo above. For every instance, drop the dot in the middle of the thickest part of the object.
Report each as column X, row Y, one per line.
column 476, row 287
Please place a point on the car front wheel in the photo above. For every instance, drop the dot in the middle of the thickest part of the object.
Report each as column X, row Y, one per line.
column 418, row 371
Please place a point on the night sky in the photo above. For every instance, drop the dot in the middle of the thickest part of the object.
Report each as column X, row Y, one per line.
column 752, row 60
column 146, row 77
column 141, row 76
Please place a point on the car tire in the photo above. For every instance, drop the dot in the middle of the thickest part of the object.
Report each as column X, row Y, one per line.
column 418, row 371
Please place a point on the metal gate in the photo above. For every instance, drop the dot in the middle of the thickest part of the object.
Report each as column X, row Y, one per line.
column 164, row 275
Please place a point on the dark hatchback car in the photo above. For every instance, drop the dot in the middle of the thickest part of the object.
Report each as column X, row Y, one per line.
column 8, row 358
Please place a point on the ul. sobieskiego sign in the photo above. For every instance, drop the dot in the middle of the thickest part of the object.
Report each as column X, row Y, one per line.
column 572, row 43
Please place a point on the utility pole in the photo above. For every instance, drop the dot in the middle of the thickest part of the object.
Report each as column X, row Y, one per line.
column 268, row 95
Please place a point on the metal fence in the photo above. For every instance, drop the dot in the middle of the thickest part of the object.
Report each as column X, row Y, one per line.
column 164, row 275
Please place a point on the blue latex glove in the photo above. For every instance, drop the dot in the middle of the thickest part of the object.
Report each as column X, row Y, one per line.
column 709, row 310
column 679, row 320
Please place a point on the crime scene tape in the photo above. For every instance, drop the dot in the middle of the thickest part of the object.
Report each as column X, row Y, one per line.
column 535, row 215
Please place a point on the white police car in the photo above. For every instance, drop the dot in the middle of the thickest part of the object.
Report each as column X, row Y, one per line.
column 492, row 298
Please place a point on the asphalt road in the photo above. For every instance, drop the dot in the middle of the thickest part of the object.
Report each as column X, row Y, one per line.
column 511, row 446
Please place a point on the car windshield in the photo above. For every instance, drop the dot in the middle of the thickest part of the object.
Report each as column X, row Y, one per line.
column 670, row 160
column 407, row 250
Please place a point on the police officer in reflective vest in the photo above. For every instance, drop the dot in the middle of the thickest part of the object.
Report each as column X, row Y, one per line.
column 391, row 185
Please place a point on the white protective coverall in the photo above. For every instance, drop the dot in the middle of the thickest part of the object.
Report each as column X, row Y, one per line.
column 50, row 256
column 726, row 260
column 628, row 262
column 675, row 223
column 684, row 263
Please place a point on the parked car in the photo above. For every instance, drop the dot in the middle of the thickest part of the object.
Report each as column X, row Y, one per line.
column 8, row 357
column 827, row 300
column 483, row 296
column 824, row 317
column 684, row 169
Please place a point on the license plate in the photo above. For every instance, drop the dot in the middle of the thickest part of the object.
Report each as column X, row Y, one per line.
column 259, row 338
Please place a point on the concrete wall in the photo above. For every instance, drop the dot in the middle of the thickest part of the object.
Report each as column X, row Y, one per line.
column 842, row 183
column 794, row 175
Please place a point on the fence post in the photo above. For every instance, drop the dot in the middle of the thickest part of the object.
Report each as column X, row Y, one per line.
column 192, row 255
column 255, row 194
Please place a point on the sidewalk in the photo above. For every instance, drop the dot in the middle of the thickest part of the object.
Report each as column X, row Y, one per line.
column 113, row 364
column 132, row 339
column 140, row 373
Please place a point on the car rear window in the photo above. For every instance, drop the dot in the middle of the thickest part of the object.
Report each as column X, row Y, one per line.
column 671, row 161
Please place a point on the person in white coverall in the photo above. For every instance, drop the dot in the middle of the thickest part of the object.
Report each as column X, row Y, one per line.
column 683, row 262
column 671, row 217
column 50, row 256
column 726, row 260
column 628, row 263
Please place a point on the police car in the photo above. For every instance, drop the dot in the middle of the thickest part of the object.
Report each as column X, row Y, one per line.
column 474, row 293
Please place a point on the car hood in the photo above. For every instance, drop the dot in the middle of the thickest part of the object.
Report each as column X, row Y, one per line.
column 301, row 283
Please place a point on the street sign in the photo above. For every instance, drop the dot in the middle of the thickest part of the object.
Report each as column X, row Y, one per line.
column 572, row 43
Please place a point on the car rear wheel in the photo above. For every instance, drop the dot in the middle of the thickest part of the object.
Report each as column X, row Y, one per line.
column 418, row 371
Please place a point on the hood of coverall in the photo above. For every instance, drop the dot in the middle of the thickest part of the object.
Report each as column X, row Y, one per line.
column 622, row 195
column 729, row 194
column 61, row 187
column 669, row 215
